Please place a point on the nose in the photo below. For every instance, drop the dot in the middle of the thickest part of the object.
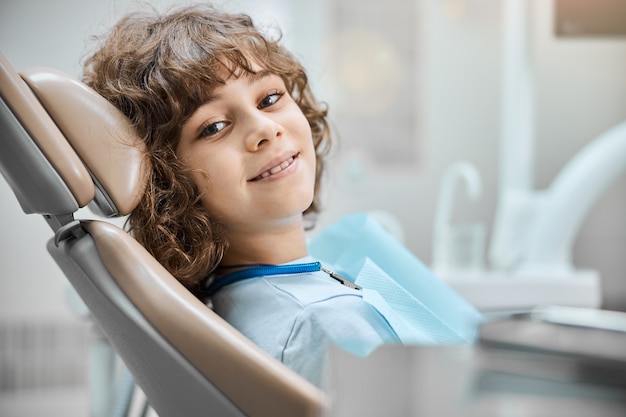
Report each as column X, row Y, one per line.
column 261, row 129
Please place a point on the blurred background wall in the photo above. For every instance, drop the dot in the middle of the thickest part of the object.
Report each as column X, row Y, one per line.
column 412, row 87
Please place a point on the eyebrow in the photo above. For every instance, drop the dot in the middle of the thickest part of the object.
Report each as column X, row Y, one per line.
column 257, row 76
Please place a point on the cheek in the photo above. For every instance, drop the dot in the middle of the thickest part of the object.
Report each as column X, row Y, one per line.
column 303, row 129
column 204, row 173
column 219, row 189
column 216, row 199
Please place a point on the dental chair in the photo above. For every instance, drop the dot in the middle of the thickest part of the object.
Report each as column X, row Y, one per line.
column 63, row 147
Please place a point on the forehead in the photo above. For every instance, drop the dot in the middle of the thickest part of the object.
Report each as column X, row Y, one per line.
column 203, row 86
column 243, row 77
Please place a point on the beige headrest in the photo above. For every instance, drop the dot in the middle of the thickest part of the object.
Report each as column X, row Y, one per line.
column 101, row 135
column 45, row 133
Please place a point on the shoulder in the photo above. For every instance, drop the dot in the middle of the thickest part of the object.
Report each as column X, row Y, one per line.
column 349, row 322
column 311, row 288
column 302, row 289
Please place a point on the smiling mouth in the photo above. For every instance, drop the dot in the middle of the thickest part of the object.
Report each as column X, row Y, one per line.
column 276, row 169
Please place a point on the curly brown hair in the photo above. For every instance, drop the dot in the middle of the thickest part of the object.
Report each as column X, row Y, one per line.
column 158, row 69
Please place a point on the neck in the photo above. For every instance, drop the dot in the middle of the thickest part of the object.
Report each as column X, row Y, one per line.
column 276, row 245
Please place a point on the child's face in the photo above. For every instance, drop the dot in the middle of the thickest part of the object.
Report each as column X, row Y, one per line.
column 252, row 153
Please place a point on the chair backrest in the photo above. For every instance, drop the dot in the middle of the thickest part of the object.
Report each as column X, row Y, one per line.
column 62, row 146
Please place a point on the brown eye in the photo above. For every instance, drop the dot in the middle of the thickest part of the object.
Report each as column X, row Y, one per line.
column 213, row 129
column 270, row 100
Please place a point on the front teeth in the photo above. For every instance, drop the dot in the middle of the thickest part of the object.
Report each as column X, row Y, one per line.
column 276, row 169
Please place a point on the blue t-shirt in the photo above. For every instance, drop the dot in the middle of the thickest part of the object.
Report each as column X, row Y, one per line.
column 295, row 317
